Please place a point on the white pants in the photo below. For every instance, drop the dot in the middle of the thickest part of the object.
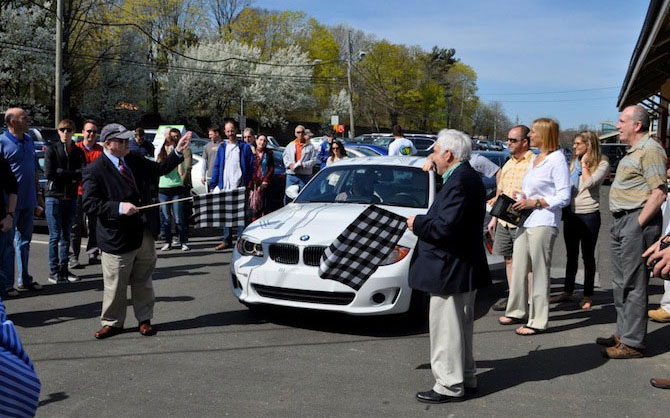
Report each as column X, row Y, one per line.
column 451, row 360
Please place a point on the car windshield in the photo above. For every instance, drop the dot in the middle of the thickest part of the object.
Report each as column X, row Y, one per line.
column 368, row 184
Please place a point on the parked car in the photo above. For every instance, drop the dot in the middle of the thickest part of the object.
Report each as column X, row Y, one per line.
column 276, row 259
column 614, row 152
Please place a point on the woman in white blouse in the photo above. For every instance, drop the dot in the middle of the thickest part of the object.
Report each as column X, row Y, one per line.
column 581, row 221
column 545, row 191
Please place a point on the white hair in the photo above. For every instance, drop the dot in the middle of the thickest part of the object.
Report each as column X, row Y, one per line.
column 455, row 141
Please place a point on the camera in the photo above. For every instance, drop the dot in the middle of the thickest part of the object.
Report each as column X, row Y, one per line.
column 663, row 245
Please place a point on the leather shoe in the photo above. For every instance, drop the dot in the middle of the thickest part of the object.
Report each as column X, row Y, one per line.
column 431, row 396
column 610, row 341
column 108, row 331
column 146, row 329
column 659, row 315
column 222, row 246
column 500, row 305
column 622, row 351
column 660, row 383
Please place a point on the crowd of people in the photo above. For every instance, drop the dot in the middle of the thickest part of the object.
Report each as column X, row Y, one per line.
column 109, row 187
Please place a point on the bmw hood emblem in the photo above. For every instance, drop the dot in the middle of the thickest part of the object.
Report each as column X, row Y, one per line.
column 304, row 238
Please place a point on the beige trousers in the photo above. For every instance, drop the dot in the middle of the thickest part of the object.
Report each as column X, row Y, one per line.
column 532, row 252
column 135, row 269
column 451, row 360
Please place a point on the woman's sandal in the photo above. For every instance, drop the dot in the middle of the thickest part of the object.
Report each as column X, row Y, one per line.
column 508, row 320
column 586, row 304
column 526, row 331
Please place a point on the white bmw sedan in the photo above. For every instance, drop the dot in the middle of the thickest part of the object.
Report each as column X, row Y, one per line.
column 276, row 259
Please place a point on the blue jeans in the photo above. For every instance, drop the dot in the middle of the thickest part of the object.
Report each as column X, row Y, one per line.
column 228, row 235
column 23, row 234
column 291, row 179
column 60, row 215
column 179, row 216
column 6, row 261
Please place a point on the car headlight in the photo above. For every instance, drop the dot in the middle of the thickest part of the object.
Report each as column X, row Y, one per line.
column 398, row 253
column 247, row 247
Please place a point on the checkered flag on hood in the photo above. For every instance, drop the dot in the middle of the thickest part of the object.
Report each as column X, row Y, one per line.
column 219, row 209
column 359, row 250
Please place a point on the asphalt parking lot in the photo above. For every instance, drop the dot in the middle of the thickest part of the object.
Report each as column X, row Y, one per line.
column 213, row 357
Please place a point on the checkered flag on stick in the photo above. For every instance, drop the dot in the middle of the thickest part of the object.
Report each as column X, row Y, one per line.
column 357, row 253
column 219, row 209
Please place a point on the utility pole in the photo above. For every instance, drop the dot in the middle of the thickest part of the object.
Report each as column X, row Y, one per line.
column 58, row 107
column 243, row 119
column 351, row 102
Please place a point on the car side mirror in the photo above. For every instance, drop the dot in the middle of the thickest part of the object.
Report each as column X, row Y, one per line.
column 293, row 191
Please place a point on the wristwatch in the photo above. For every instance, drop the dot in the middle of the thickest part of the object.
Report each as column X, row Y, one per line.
column 538, row 204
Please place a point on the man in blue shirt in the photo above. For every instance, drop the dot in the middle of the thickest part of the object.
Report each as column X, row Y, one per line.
column 18, row 149
column 324, row 152
column 139, row 145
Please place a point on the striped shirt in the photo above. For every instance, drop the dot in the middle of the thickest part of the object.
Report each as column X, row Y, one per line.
column 19, row 385
column 511, row 176
column 640, row 171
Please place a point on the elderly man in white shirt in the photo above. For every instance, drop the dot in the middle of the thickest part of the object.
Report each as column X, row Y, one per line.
column 546, row 190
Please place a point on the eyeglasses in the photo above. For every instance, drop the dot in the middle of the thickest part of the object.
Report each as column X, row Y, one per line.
column 120, row 140
column 299, row 132
column 514, row 140
column 91, row 131
column 68, row 130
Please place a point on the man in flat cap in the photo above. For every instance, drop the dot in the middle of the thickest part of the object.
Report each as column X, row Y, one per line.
column 115, row 185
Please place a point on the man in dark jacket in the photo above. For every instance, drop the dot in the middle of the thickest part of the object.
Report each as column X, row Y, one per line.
column 8, row 196
column 115, row 185
column 449, row 263
column 63, row 162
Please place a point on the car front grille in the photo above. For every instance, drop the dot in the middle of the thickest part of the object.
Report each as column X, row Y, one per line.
column 311, row 255
column 308, row 296
column 284, row 253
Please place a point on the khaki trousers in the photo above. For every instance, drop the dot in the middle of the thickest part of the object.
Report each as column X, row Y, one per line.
column 533, row 248
column 451, row 360
column 135, row 269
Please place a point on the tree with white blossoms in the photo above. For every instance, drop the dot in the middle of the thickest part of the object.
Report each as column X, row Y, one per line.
column 225, row 72
column 209, row 85
column 118, row 87
column 282, row 86
column 26, row 60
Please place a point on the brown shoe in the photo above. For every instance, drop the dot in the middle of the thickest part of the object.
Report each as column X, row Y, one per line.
column 622, row 351
column 660, row 383
column 146, row 329
column 610, row 341
column 222, row 246
column 107, row 331
column 659, row 315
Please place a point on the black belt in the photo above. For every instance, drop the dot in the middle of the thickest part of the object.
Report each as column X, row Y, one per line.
column 621, row 213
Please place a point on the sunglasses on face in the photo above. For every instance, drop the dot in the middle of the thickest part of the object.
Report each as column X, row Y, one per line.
column 514, row 140
column 299, row 132
column 67, row 130
column 334, row 148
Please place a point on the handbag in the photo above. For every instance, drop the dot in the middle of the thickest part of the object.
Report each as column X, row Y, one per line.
column 502, row 209
column 255, row 199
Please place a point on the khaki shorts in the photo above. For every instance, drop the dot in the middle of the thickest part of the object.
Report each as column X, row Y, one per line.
column 503, row 243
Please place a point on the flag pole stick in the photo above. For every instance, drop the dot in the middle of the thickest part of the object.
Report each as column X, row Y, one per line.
column 163, row 203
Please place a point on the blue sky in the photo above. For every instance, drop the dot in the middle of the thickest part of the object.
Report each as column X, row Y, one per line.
column 517, row 47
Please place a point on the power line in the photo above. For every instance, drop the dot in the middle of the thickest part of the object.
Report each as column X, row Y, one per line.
column 556, row 101
column 549, row 92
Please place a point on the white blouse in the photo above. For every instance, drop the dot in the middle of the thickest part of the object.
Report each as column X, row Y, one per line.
column 550, row 181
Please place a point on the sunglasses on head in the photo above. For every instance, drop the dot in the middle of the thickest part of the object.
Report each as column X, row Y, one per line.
column 68, row 130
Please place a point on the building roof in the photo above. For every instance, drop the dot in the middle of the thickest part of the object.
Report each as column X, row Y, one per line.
column 650, row 63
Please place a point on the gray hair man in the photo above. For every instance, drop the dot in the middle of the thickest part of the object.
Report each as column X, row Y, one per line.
column 449, row 264
column 636, row 195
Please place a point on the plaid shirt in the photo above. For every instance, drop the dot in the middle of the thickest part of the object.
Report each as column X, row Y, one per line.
column 511, row 176
column 639, row 172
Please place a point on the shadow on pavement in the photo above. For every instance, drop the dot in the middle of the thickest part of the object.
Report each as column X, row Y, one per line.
column 219, row 319
column 53, row 397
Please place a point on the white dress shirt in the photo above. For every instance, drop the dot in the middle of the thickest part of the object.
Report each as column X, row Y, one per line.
column 550, row 181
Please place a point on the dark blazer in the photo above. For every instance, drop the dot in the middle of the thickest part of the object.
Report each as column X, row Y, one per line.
column 104, row 188
column 63, row 170
column 449, row 257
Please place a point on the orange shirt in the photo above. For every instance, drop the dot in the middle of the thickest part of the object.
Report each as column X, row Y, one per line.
column 91, row 155
column 298, row 150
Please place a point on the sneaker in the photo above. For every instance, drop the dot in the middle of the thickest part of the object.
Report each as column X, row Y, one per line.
column 73, row 263
column 185, row 247
column 55, row 278
column 166, row 247
column 175, row 242
column 70, row 277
